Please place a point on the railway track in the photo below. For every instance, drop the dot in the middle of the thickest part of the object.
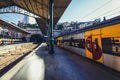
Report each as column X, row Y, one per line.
column 8, row 60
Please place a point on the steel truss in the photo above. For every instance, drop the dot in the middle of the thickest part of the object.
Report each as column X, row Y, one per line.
column 16, row 9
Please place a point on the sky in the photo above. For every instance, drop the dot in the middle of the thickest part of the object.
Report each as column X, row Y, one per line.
column 80, row 11
column 86, row 10
column 12, row 17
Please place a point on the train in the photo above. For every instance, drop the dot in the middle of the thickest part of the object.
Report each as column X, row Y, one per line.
column 99, row 42
column 9, row 41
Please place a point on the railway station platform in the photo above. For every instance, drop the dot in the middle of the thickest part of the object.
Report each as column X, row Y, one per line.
column 63, row 65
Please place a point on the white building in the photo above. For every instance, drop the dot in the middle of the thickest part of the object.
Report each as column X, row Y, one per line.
column 29, row 20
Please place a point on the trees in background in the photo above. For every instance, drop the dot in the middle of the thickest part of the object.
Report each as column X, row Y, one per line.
column 20, row 24
column 31, row 26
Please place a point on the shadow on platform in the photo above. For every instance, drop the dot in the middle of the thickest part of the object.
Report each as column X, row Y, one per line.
column 62, row 65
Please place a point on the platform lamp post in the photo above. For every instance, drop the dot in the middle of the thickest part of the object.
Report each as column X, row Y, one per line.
column 51, row 46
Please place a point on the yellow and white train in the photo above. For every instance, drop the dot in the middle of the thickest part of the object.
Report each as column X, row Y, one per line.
column 99, row 42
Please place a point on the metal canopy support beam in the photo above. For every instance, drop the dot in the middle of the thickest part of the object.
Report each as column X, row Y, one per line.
column 51, row 46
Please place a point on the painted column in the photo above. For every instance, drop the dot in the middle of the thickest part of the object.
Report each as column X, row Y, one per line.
column 51, row 46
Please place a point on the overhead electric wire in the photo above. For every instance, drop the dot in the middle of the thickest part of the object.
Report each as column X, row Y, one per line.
column 107, row 13
column 96, row 9
column 113, row 13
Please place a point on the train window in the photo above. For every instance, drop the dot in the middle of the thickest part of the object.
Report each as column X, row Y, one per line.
column 71, row 42
column 116, row 46
column 111, row 45
column 81, row 43
column 107, row 45
column 66, row 42
column 96, row 45
column 76, row 43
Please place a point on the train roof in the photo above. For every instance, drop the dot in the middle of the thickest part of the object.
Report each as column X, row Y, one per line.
column 112, row 21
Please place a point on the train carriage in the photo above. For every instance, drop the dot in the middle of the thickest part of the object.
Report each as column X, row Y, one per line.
column 111, row 46
column 75, row 43
column 105, row 41
column 99, row 42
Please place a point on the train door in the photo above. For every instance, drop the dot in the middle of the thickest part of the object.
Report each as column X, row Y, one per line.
column 97, row 48
column 93, row 45
column 88, row 45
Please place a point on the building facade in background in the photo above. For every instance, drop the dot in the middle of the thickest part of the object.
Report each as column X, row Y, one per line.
column 29, row 20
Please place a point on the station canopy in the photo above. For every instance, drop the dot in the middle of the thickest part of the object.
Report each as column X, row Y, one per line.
column 39, row 8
